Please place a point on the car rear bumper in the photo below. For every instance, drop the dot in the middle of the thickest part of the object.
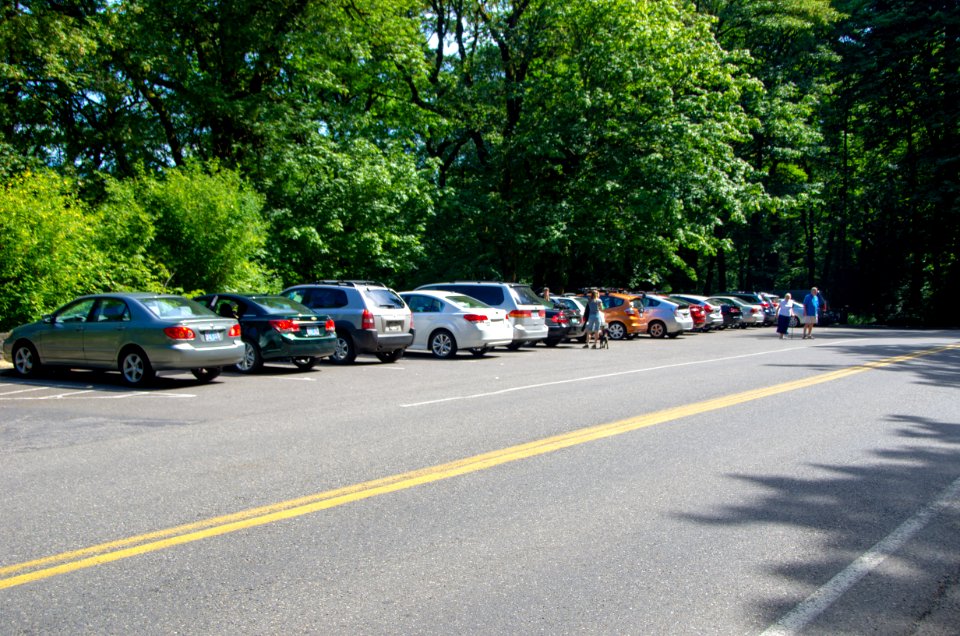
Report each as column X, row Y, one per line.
column 186, row 356
column 302, row 348
column 368, row 341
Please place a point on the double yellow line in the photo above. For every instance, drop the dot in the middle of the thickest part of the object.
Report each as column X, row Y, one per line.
column 21, row 573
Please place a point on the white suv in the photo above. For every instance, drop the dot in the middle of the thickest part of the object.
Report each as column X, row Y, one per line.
column 524, row 308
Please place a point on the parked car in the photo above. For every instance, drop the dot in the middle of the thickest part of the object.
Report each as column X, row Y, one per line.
column 524, row 308
column 665, row 318
column 369, row 317
column 730, row 312
column 575, row 308
column 448, row 322
column 697, row 314
column 752, row 315
column 767, row 309
column 275, row 328
column 623, row 314
column 137, row 334
column 712, row 312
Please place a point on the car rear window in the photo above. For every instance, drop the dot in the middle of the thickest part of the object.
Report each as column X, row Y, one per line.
column 176, row 307
column 385, row 298
column 490, row 294
column 524, row 295
column 281, row 305
column 466, row 302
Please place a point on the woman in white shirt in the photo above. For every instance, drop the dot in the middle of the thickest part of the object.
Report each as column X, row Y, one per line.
column 784, row 314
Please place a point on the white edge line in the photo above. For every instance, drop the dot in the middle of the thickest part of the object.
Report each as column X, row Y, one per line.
column 818, row 602
column 613, row 375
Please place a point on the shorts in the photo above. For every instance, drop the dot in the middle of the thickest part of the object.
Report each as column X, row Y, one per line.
column 809, row 320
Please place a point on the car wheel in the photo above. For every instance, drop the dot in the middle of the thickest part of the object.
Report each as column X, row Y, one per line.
column 552, row 342
column 345, row 351
column 304, row 364
column 657, row 329
column 514, row 346
column 442, row 344
column 252, row 359
column 617, row 331
column 26, row 362
column 390, row 356
column 479, row 352
column 206, row 374
column 794, row 321
column 135, row 368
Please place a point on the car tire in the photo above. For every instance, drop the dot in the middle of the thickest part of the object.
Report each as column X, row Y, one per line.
column 206, row 374
column 479, row 352
column 390, row 356
column 345, row 351
column 252, row 358
column 657, row 329
column 617, row 331
column 442, row 344
column 135, row 368
column 26, row 362
column 304, row 364
column 673, row 335
column 514, row 346
column 794, row 321
column 552, row 342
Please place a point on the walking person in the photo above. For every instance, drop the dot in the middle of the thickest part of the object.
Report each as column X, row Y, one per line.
column 784, row 315
column 811, row 309
column 594, row 318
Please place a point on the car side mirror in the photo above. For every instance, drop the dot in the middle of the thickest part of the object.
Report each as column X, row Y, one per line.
column 47, row 319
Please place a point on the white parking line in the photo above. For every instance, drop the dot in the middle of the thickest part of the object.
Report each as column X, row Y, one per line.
column 614, row 374
column 36, row 388
column 821, row 600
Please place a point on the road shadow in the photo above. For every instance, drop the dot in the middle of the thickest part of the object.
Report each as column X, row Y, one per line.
column 853, row 508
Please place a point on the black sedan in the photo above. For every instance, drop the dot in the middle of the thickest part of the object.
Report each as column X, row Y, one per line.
column 275, row 328
column 732, row 315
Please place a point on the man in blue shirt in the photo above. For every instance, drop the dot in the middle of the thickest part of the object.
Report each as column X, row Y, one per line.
column 811, row 309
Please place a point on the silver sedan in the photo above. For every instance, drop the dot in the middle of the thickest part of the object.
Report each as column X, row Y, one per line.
column 137, row 334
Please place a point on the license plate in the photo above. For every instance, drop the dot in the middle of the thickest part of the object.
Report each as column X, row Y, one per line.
column 212, row 336
column 394, row 326
column 313, row 331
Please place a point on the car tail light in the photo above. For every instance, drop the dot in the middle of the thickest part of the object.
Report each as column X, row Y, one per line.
column 754, row 310
column 521, row 313
column 180, row 333
column 234, row 331
column 475, row 318
column 329, row 325
column 285, row 326
column 559, row 319
column 542, row 313
column 366, row 320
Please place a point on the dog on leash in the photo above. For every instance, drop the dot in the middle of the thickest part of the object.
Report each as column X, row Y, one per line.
column 604, row 338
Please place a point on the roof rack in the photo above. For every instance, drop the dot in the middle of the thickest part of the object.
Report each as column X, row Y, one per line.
column 348, row 283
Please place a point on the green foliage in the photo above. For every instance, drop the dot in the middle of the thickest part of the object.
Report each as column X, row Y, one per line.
column 351, row 211
column 47, row 255
column 208, row 230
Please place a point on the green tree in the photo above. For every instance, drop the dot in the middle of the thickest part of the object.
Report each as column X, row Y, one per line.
column 208, row 229
column 47, row 252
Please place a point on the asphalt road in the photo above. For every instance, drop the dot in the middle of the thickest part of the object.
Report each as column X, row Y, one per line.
column 725, row 483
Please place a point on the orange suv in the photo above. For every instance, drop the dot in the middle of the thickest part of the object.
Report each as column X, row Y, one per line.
column 623, row 314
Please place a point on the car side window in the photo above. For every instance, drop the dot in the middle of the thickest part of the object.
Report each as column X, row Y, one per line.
column 614, row 302
column 326, row 299
column 112, row 310
column 417, row 304
column 77, row 312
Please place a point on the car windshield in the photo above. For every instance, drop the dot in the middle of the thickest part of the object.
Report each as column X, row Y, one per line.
column 525, row 296
column 280, row 305
column 385, row 298
column 466, row 302
column 176, row 307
